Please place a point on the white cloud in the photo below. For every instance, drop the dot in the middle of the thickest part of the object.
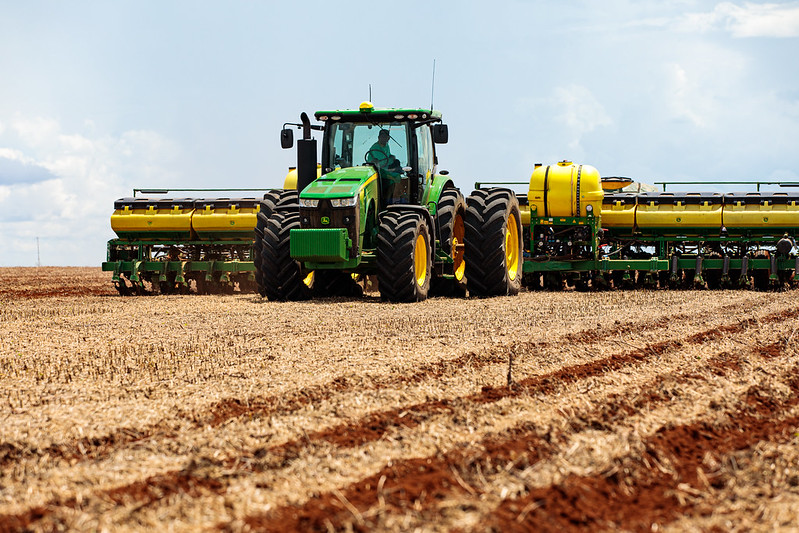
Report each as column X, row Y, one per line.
column 580, row 108
column 685, row 100
column 702, row 84
column 747, row 20
column 35, row 131
column 70, row 204
column 16, row 155
column 580, row 111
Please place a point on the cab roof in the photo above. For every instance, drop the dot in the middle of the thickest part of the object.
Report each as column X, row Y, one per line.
column 368, row 113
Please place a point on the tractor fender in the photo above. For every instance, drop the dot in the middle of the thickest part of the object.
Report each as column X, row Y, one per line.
column 431, row 235
column 440, row 182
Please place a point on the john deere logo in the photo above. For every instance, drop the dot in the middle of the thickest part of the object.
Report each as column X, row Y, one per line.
column 325, row 220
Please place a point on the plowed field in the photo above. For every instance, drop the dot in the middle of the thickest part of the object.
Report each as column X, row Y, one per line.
column 631, row 410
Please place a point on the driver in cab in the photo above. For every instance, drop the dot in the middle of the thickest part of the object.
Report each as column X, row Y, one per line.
column 380, row 155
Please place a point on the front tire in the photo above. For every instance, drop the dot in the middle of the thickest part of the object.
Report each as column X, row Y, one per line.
column 282, row 276
column 265, row 209
column 404, row 257
column 493, row 237
column 270, row 202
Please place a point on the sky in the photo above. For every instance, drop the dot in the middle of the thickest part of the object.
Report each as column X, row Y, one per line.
column 98, row 98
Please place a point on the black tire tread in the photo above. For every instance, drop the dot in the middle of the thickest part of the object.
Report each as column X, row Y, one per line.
column 271, row 200
column 487, row 213
column 282, row 276
column 450, row 203
column 396, row 239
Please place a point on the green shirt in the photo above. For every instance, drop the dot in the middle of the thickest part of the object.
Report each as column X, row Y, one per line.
column 375, row 154
column 381, row 156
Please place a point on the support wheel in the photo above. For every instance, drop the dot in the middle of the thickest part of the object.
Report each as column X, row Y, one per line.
column 404, row 262
column 282, row 276
column 122, row 287
column 493, row 243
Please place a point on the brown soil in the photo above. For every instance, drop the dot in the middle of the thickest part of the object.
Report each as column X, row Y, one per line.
column 643, row 494
column 49, row 282
column 623, row 410
column 640, row 498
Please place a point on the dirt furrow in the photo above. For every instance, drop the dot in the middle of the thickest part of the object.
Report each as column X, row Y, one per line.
column 234, row 408
column 140, row 494
column 419, row 484
column 86, row 448
column 644, row 494
column 374, row 425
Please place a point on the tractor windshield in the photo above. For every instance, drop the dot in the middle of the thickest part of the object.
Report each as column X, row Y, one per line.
column 354, row 143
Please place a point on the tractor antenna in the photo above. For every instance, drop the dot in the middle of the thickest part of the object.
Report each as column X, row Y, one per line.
column 433, row 86
column 370, row 92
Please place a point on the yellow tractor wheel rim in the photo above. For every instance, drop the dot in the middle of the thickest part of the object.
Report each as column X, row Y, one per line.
column 512, row 248
column 459, row 265
column 420, row 260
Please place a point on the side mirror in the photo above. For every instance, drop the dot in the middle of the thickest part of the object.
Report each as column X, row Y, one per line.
column 286, row 138
column 440, row 134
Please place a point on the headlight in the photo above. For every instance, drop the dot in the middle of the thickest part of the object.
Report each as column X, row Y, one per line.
column 309, row 202
column 344, row 202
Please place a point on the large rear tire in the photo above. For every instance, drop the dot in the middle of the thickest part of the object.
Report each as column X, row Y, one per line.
column 450, row 233
column 493, row 238
column 282, row 276
column 266, row 207
column 404, row 258
column 271, row 201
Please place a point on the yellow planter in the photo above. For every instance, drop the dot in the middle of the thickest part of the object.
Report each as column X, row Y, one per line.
column 680, row 209
column 152, row 219
column 755, row 210
column 225, row 218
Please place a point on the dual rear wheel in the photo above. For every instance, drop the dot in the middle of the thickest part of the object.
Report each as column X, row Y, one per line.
column 493, row 237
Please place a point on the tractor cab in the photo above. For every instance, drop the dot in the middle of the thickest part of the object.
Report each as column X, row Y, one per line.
column 397, row 143
column 384, row 146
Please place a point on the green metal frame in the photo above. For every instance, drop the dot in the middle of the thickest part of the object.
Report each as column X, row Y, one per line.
column 133, row 268
column 184, row 269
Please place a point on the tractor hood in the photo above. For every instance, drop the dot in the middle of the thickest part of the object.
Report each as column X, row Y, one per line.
column 340, row 183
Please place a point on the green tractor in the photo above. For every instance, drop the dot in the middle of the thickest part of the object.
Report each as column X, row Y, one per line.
column 377, row 206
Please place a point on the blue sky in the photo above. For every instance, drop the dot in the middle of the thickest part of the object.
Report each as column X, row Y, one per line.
column 100, row 97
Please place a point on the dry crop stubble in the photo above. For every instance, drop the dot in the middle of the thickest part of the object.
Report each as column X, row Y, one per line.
column 689, row 401
column 229, row 407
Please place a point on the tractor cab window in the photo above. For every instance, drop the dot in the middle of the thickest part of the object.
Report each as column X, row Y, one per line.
column 353, row 144
column 425, row 151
